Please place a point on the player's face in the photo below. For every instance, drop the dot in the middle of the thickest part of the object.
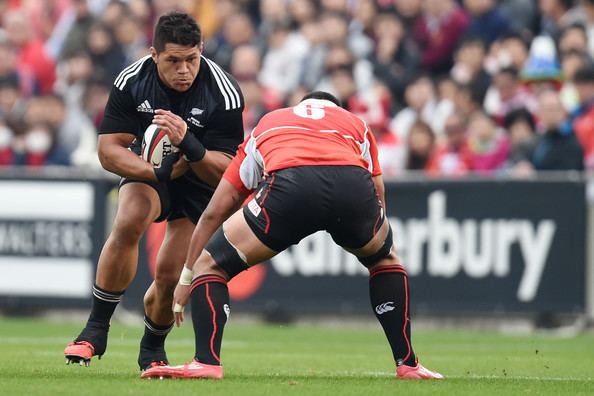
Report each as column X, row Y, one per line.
column 178, row 65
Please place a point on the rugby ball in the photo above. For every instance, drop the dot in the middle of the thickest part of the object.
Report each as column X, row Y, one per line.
column 156, row 146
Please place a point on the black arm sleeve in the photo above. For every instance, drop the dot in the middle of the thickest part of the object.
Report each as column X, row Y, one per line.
column 120, row 113
column 224, row 131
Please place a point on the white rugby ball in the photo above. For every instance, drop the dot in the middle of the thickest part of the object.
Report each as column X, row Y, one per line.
column 156, row 145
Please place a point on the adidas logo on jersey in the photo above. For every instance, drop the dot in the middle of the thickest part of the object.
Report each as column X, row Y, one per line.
column 145, row 107
column 385, row 307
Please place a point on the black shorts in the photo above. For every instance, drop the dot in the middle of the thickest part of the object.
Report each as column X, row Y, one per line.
column 186, row 196
column 293, row 203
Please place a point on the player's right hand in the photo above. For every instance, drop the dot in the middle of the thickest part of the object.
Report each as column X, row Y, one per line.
column 181, row 295
column 164, row 173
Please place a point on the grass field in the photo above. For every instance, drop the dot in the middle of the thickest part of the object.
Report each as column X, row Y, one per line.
column 296, row 360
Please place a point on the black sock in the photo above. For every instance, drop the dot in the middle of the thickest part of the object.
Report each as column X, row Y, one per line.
column 210, row 310
column 104, row 303
column 388, row 292
column 152, row 345
column 95, row 332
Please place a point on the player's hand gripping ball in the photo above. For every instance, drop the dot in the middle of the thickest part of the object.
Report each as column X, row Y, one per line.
column 156, row 146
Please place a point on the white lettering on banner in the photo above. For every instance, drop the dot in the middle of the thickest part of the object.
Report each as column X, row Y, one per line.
column 477, row 248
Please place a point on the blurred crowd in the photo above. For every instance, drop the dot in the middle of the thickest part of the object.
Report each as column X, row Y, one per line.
column 447, row 87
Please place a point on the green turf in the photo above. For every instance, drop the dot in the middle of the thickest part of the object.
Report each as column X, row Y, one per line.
column 296, row 360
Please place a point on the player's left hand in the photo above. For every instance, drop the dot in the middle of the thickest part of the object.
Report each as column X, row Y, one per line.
column 172, row 124
column 181, row 295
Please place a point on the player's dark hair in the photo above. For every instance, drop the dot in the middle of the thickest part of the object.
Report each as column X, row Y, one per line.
column 177, row 28
column 324, row 96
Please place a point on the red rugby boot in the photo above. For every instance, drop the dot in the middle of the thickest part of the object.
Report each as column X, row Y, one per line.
column 194, row 369
column 418, row 372
column 157, row 370
column 79, row 352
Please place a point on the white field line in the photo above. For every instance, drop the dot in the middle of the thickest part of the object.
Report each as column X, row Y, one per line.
column 479, row 377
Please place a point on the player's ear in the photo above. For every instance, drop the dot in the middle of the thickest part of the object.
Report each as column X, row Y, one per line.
column 154, row 54
column 201, row 46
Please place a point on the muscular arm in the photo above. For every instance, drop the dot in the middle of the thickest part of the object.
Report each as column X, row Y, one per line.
column 211, row 168
column 116, row 158
column 224, row 202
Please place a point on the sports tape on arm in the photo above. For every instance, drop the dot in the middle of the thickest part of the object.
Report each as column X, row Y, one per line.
column 192, row 148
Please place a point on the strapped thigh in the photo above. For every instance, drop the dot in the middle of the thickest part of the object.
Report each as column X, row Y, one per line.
column 383, row 252
column 225, row 254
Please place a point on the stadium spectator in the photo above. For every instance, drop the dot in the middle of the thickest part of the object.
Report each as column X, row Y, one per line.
column 395, row 58
column 511, row 49
column 236, row 30
column 39, row 147
column 450, row 156
column 486, row 20
column 573, row 37
column 438, row 32
column 557, row 147
column 11, row 100
column 245, row 66
column 409, row 10
column 420, row 99
column 508, row 94
column 571, row 62
column 420, row 145
column 555, row 14
column 469, row 65
column 131, row 38
column 487, row 145
column 583, row 117
column 521, row 130
column 282, row 64
column 76, row 39
column 31, row 56
column 521, row 14
column 467, row 100
column 342, row 199
column 105, row 53
column 6, row 145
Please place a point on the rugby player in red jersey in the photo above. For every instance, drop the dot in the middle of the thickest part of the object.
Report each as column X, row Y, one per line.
column 313, row 167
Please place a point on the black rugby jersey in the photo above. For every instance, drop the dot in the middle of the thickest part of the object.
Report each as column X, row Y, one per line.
column 212, row 107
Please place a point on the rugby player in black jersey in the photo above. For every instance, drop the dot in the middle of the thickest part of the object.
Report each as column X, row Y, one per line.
column 200, row 107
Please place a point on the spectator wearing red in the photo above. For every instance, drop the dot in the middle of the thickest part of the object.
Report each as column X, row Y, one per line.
column 488, row 146
column 438, row 32
column 31, row 55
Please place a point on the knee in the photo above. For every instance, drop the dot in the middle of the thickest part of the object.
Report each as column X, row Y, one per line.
column 129, row 226
column 390, row 260
column 207, row 266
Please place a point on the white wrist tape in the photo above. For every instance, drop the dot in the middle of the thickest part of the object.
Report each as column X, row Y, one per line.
column 186, row 276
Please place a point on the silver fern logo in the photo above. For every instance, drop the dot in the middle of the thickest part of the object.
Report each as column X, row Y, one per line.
column 385, row 307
